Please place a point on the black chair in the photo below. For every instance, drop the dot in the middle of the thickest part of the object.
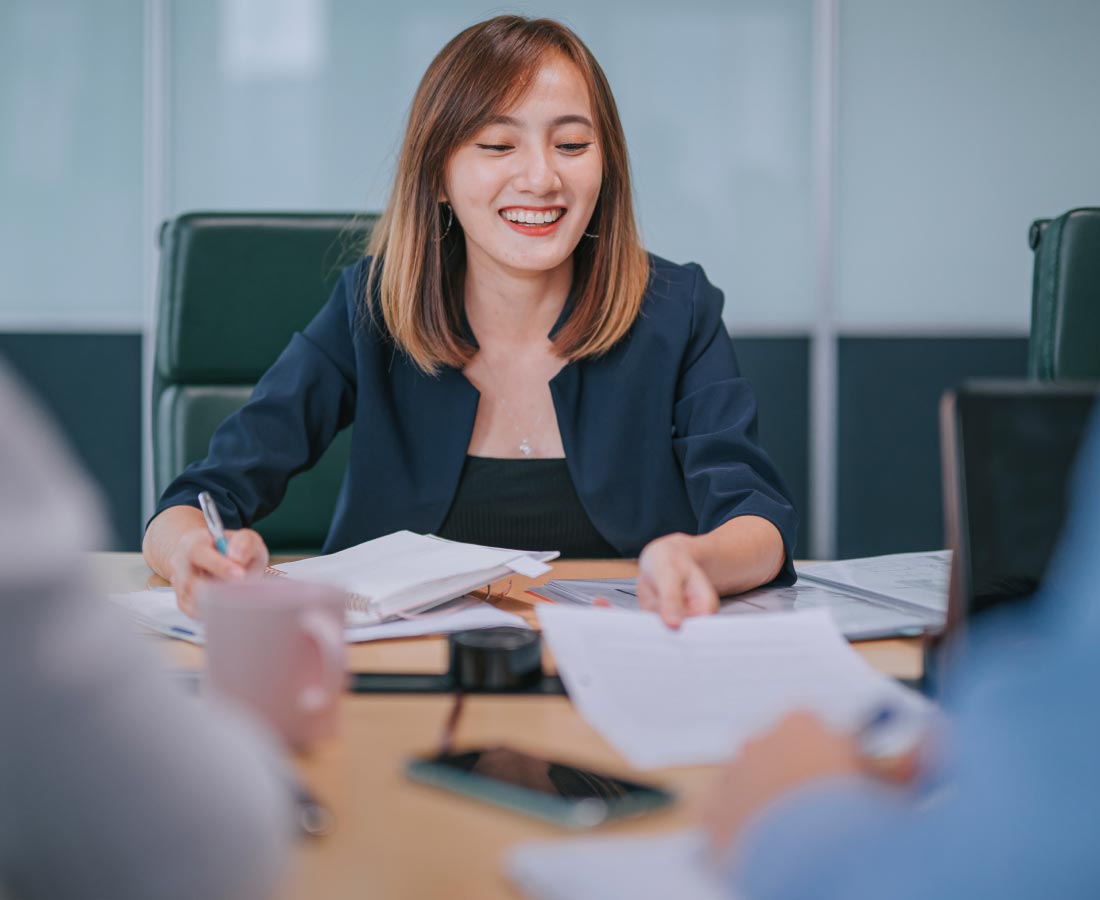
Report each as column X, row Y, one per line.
column 233, row 288
column 1065, row 298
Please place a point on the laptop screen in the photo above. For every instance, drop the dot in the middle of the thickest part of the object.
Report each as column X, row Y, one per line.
column 1014, row 445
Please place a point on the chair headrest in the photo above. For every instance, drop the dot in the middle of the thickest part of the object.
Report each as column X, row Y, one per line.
column 234, row 287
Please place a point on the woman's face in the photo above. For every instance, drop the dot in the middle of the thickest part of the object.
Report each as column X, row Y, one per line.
column 525, row 186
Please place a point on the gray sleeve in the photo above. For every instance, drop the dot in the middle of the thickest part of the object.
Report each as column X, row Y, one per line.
column 112, row 782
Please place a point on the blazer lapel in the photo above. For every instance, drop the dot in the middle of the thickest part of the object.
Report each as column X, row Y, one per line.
column 437, row 414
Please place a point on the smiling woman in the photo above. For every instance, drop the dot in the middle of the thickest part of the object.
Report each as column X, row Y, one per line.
column 513, row 120
column 519, row 370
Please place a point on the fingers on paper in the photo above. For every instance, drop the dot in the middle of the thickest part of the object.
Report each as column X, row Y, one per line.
column 662, row 592
column 700, row 597
column 185, row 598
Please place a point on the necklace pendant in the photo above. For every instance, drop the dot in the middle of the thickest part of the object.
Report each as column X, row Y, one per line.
column 524, row 447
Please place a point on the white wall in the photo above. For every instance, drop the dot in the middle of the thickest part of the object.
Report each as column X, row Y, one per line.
column 71, row 165
column 959, row 122
column 714, row 97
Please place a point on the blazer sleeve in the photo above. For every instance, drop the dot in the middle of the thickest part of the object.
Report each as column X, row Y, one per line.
column 293, row 414
column 726, row 472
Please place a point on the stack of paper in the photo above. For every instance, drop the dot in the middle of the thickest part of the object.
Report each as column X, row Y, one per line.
column 157, row 610
column 666, row 697
column 620, row 592
column 917, row 582
column 405, row 572
column 903, row 594
column 859, row 618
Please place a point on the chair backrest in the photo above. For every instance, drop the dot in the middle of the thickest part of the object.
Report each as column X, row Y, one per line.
column 1065, row 298
column 233, row 288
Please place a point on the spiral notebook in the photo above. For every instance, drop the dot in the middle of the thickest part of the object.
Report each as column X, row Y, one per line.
column 405, row 573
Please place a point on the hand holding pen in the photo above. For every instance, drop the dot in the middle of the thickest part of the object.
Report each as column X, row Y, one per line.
column 800, row 750
column 210, row 551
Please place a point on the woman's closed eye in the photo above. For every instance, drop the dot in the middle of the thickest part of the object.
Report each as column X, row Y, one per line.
column 571, row 147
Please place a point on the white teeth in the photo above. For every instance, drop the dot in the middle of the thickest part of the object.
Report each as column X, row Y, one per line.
column 530, row 217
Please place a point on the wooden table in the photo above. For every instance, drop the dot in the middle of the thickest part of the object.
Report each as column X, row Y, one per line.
column 398, row 839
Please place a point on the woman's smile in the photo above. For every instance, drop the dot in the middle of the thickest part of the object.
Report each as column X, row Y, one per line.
column 533, row 221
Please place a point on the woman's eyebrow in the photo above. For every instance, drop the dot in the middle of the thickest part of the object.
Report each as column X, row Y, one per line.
column 572, row 119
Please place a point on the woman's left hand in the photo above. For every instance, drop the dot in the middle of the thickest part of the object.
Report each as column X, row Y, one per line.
column 672, row 583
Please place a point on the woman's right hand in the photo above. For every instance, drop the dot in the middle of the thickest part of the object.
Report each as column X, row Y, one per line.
column 195, row 557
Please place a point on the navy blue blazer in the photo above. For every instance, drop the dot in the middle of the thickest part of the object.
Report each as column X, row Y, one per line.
column 659, row 434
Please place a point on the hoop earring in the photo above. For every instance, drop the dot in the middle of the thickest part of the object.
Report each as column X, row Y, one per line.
column 450, row 220
column 587, row 235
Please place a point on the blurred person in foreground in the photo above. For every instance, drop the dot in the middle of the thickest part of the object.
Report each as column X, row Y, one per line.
column 1007, row 804
column 112, row 782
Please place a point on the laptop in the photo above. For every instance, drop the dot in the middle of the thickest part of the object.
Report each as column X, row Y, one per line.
column 1009, row 449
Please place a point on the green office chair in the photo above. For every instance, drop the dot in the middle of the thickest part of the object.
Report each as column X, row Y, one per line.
column 1065, row 298
column 233, row 288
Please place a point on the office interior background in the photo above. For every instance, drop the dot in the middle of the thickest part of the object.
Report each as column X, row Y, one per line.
column 858, row 176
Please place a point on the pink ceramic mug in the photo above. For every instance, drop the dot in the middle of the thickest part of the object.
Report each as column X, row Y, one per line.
column 277, row 646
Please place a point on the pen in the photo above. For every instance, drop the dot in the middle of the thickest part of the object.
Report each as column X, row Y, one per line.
column 213, row 522
column 889, row 738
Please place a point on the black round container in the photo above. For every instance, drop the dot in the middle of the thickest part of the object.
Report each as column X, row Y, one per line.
column 496, row 659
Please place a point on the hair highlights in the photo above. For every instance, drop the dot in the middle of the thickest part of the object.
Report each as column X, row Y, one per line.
column 479, row 74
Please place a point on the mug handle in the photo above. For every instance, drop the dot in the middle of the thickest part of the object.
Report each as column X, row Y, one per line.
column 327, row 638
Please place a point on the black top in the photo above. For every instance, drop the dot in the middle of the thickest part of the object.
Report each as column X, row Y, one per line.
column 523, row 504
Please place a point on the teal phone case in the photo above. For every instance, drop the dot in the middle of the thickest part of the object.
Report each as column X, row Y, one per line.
column 575, row 814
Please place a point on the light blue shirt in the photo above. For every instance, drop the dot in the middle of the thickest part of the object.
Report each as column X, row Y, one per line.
column 1018, row 812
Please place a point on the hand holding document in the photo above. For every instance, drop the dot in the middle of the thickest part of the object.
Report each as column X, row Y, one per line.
column 665, row 698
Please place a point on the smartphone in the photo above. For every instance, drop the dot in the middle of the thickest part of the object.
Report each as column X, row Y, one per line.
column 556, row 792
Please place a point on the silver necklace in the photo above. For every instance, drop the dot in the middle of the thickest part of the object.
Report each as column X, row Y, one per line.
column 524, row 441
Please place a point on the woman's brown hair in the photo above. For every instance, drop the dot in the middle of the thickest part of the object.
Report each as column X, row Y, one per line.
column 481, row 73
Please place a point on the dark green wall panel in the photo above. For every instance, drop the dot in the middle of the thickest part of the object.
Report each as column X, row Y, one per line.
column 91, row 383
column 779, row 371
column 888, row 452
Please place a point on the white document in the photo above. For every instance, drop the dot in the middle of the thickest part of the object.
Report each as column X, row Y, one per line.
column 917, row 580
column 858, row 618
column 156, row 609
column 664, row 697
column 405, row 571
column 620, row 592
column 670, row 866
